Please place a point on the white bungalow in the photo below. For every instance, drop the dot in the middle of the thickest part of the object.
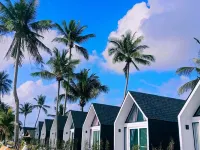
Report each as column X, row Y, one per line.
column 53, row 132
column 98, row 127
column 73, row 127
column 146, row 121
column 189, row 121
column 45, row 132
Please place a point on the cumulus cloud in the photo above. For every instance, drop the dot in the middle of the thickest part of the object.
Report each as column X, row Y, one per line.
column 168, row 28
column 29, row 90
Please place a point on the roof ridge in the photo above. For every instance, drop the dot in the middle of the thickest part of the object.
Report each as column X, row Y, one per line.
column 105, row 105
column 157, row 95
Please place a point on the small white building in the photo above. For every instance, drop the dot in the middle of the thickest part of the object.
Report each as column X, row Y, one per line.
column 53, row 132
column 147, row 120
column 27, row 130
column 73, row 127
column 45, row 132
column 189, row 121
column 98, row 127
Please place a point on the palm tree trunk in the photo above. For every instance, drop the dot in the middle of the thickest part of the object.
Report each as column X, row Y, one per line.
column 0, row 98
column 127, row 79
column 37, row 117
column 57, row 114
column 16, row 130
column 25, row 121
column 82, row 108
column 65, row 105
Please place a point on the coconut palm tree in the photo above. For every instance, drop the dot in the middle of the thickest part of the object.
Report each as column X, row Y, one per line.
column 17, row 18
column 187, row 71
column 72, row 36
column 5, row 84
column 4, row 107
column 128, row 49
column 60, row 111
column 86, row 87
column 7, row 123
column 40, row 105
column 25, row 109
column 58, row 65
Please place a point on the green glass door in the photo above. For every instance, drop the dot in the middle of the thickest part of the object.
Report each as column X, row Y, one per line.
column 96, row 137
column 143, row 139
column 133, row 139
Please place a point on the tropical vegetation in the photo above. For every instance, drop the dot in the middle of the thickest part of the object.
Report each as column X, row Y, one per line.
column 18, row 19
column 40, row 106
column 25, row 109
column 129, row 50
column 188, row 71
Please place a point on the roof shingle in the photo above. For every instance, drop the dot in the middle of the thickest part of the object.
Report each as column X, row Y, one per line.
column 78, row 118
column 158, row 107
column 106, row 113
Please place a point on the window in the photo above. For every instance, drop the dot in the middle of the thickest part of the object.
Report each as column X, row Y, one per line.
column 71, row 134
column 95, row 121
column 195, row 126
column 197, row 113
column 94, row 138
column 135, row 115
column 138, row 139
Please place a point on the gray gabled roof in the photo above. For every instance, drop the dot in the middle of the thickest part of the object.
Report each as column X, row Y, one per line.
column 61, row 122
column 158, row 107
column 48, row 123
column 25, row 129
column 106, row 113
column 78, row 118
column 40, row 124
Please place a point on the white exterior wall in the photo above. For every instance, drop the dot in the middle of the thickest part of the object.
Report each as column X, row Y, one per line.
column 120, row 123
column 52, row 138
column 185, row 118
column 87, row 127
column 43, row 132
column 66, row 131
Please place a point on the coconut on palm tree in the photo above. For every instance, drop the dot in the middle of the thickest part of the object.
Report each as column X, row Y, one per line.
column 17, row 18
column 72, row 36
column 86, row 87
column 58, row 64
column 128, row 49
column 25, row 109
column 40, row 105
column 5, row 84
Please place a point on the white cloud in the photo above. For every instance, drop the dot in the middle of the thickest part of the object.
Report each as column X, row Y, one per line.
column 29, row 90
column 168, row 27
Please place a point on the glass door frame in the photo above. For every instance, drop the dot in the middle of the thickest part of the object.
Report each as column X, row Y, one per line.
column 136, row 125
column 92, row 129
column 195, row 120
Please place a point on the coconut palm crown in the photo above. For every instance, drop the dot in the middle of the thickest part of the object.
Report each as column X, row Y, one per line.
column 128, row 49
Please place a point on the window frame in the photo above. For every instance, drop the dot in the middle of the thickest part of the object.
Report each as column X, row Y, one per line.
column 92, row 129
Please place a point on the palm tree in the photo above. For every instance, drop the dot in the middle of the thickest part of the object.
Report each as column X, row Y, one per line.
column 5, row 84
column 86, row 87
column 60, row 111
column 7, row 123
column 72, row 36
column 128, row 49
column 26, row 109
column 58, row 64
column 40, row 105
column 4, row 107
column 18, row 19
column 187, row 71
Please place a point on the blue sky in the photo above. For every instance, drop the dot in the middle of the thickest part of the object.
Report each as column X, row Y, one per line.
column 168, row 28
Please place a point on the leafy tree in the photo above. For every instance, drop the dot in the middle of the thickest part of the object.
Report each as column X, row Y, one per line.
column 128, row 49
column 5, row 84
column 7, row 123
column 4, row 107
column 26, row 109
column 86, row 87
column 58, row 65
column 17, row 18
column 72, row 36
column 40, row 105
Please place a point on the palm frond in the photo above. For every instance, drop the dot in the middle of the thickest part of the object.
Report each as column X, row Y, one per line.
column 185, row 71
column 82, row 51
column 44, row 74
column 188, row 86
column 41, row 26
column 197, row 40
